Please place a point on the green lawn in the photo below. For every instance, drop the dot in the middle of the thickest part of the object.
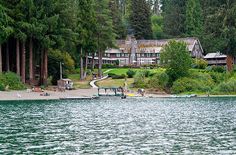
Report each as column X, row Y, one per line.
column 80, row 84
column 115, row 82
column 120, row 71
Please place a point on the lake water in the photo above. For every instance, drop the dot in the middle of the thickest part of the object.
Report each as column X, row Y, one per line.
column 115, row 126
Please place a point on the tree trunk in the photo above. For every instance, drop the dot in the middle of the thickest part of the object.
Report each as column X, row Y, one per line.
column 100, row 63
column 86, row 65
column 229, row 61
column 42, row 66
column 7, row 58
column 17, row 57
column 31, row 65
column 81, row 65
column 23, row 62
column 45, row 66
column 93, row 62
column 0, row 58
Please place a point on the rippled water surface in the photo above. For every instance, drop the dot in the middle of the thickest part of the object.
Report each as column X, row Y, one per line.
column 115, row 126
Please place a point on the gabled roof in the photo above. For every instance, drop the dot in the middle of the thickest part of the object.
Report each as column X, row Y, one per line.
column 191, row 41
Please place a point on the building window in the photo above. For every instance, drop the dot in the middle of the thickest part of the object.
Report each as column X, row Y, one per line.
column 118, row 55
column 108, row 55
column 122, row 55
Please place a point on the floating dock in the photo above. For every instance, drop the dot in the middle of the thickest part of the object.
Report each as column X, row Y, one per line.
column 79, row 98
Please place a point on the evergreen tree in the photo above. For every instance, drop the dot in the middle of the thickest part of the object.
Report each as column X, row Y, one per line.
column 5, row 29
column 157, row 27
column 174, row 17
column 86, row 29
column 105, row 35
column 140, row 19
column 194, row 21
column 118, row 23
column 229, row 32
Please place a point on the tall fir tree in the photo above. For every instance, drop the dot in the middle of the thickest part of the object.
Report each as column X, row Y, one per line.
column 105, row 35
column 174, row 17
column 140, row 19
column 118, row 22
column 194, row 20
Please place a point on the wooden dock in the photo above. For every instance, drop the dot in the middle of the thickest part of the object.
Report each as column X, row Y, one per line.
column 80, row 98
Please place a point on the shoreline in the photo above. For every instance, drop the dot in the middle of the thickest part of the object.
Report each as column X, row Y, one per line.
column 28, row 96
column 82, row 93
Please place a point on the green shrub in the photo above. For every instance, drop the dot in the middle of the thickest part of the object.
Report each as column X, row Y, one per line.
column 119, row 76
column 159, row 80
column 196, row 82
column 12, row 81
column 2, row 87
column 220, row 69
column 217, row 77
column 146, row 72
column 115, row 76
column 109, row 66
column 200, row 63
column 130, row 73
column 189, row 85
column 111, row 74
column 140, row 80
column 228, row 87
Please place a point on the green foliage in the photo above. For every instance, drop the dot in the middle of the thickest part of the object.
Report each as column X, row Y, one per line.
column 157, row 27
column 228, row 87
column 115, row 76
column 196, row 82
column 218, row 77
column 146, row 72
column 55, row 57
column 130, row 73
column 11, row 81
column 220, row 69
column 142, row 28
column 200, row 64
column 194, row 21
column 2, row 87
column 140, row 80
column 174, row 13
column 118, row 23
column 176, row 58
column 104, row 66
column 159, row 80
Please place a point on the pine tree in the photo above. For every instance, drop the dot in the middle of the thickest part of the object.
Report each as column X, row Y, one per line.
column 105, row 35
column 229, row 32
column 194, row 21
column 86, row 29
column 5, row 29
column 174, row 17
column 140, row 19
column 118, row 23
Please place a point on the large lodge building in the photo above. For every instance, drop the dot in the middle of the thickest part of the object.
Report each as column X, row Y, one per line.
column 140, row 52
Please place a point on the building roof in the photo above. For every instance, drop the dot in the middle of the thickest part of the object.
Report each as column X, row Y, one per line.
column 215, row 55
column 156, row 44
